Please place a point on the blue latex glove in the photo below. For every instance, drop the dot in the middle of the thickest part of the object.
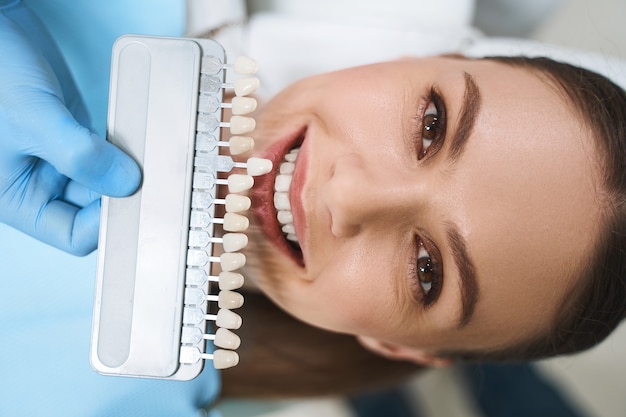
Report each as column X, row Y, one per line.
column 53, row 169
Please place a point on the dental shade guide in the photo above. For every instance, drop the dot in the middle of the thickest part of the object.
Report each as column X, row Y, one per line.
column 155, row 293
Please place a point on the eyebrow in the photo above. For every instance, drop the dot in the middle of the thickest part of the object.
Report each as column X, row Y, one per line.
column 467, row 118
column 467, row 272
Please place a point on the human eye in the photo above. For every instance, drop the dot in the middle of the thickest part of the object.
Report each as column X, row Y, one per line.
column 430, row 125
column 426, row 276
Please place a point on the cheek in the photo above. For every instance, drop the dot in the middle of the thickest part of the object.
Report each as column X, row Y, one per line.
column 355, row 292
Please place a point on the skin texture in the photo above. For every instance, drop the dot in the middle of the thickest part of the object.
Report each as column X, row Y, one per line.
column 368, row 191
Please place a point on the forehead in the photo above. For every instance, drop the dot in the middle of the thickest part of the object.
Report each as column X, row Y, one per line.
column 528, row 185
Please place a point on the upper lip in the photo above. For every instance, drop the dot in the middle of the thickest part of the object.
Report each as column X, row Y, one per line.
column 262, row 195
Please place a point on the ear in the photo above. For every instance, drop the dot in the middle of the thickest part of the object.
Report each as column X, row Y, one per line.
column 401, row 352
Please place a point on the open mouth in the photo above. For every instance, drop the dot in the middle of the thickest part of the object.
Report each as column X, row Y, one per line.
column 272, row 197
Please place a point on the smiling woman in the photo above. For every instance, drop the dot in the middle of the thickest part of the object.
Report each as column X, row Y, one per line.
column 442, row 208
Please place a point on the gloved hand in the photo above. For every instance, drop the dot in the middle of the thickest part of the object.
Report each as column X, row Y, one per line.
column 53, row 169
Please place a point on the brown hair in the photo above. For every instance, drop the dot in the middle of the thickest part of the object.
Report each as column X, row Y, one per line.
column 284, row 357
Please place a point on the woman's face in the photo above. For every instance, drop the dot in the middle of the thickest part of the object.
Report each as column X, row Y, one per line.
column 438, row 203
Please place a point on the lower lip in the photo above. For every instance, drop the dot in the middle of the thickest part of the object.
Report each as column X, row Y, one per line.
column 262, row 195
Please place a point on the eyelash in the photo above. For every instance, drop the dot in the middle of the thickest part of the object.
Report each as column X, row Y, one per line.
column 436, row 120
column 425, row 270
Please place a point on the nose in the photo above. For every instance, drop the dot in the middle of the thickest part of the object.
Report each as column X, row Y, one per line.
column 358, row 194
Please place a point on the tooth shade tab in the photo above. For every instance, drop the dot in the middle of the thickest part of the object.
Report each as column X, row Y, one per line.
column 221, row 358
column 196, row 297
column 227, row 319
column 238, row 183
column 240, row 144
column 245, row 86
column 234, row 222
column 231, row 242
column 240, row 125
column 229, row 300
column 208, row 103
column 226, row 339
column 226, row 280
column 258, row 166
column 194, row 316
column 229, row 261
column 222, row 338
column 211, row 84
column 245, row 66
column 236, row 203
column 237, row 145
column 222, row 163
column 243, row 105
column 230, row 280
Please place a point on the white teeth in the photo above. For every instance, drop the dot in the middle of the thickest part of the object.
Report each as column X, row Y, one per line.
column 289, row 229
column 285, row 217
column 283, row 183
column 281, row 201
column 287, row 168
column 292, row 156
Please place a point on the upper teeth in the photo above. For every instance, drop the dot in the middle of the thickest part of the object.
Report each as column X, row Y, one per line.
column 282, row 185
